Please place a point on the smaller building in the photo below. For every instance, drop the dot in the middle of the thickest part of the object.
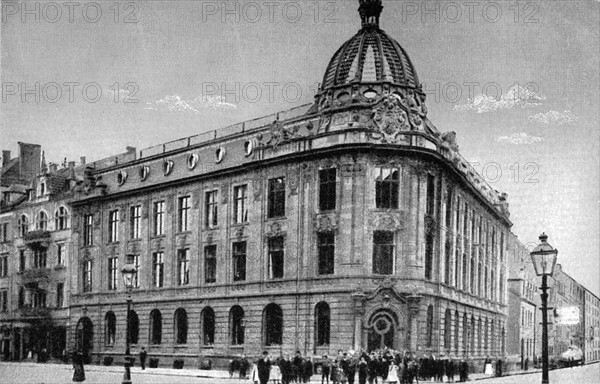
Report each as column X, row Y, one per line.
column 591, row 331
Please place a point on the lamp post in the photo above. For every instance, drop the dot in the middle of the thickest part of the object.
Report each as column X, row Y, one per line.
column 128, row 273
column 544, row 260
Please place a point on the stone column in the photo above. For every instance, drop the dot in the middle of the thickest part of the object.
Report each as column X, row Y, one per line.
column 413, row 325
column 359, row 311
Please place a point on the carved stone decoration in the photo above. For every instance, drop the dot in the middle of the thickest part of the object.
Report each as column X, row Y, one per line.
column 239, row 232
column 349, row 170
column 293, row 183
column 224, row 193
column 340, row 119
column 209, row 238
column 133, row 247
column 390, row 119
column 274, row 230
column 324, row 124
column 182, row 241
column 257, row 188
column 158, row 243
column 326, row 223
column 387, row 221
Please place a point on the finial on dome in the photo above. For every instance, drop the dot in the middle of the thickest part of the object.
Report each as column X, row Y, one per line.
column 369, row 11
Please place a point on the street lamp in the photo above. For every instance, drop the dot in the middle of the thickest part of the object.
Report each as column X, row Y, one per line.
column 544, row 260
column 128, row 273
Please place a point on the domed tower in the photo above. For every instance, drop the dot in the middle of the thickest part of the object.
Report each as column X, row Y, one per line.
column 372, row 68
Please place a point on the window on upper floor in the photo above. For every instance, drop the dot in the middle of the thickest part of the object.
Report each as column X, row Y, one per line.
column 239, row 261
column 210, row 264
column 183, row 214
column 113, row 263
column 326, row 253
column 240, row 204
column 158, row 269
column 87, row 276
column 211, row 209
column 327, row 189
column 3, row 265
column 183, row 261
column 276, row 198
column 88, row 230
column 4, row 300
column 4, row 236
column 383, row 252
column 135, row 217
column 42, row 221
column 61, row 219
column 113, row 226
column 387, row 188
column 159, row 218
column 40, row 257
column 23, row 225
column 276, row 257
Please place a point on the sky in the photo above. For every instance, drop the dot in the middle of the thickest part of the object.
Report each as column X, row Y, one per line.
column 517, row 81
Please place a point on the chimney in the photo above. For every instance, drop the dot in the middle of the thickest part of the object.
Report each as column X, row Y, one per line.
column 53, row 167
column 82, row 160
column 30, row 157
column 5, row 157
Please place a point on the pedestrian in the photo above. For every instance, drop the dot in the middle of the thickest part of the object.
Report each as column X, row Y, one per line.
column 244, row 365
column 372, row 368
column 363, row 370
column 487, row 366
column 143, row 356
column 285, row 365
column 499, row 368
column 263, row 367
column 526, row 364
column 325, row 369
column 78, row 371
column 463, row 370
column 450, row 370
column 308, row 370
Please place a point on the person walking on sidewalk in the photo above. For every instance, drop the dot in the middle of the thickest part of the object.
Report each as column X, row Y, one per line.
column 143, row 356
column 78, row 371
column 263, row 366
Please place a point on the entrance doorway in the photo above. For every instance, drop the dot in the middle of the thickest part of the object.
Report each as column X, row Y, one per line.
column 85, row 337
column 383, row 330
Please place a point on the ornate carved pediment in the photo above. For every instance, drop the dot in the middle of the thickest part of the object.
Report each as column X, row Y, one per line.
column 390, row 119
column 326, row 223
column 157, row 243
column 182, row 241
column 239, row 231
column 257, row 187
column 387, row 221
column 274, row 230
column 133, row 247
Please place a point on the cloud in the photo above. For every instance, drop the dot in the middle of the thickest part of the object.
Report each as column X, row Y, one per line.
column 516, row 96
column 174, row 103
column 554, row 118
column 520, row 139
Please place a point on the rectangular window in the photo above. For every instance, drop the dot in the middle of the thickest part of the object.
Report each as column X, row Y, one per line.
column 383, row 252
column 136, row 277
column 39, row 257
column 240, row 204
column 466, row 220
column 387, row 188
column 183, row 214
column 326, row 249
column 211, row 209
column 39, row 299
column 210, row 264
column 88, row 230
column 4, row 232
column 183, row 260
column 60, row 294
column 276, row 256
column 239, row 261
column 447, row 253
column 327, row 189
column 158, row 269
column 87, row 276
column 60, row 254
column 21, row 297
column 113, row 226
column 112, row 273
column 159, row 218
column 429, row 256
column 3, row 301
column 3, row 266
column 276, row 198
column 449, row 207
column 22, row 260
column 430, row 195
column 135, row 216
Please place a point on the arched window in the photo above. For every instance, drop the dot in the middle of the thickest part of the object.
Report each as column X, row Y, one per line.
column 208, row 326
column 322, row 324
column 272, row 324
column 23, row 225
column 447, row 328
column 61, row 218
column 134, row 327
column 472, row 342
column 110, row 328
column 479, row 336
column 465, row 332
column 155, row 327
column 456, row 330
column 42, row 221
column 486, row 340
column 181, row 326
column 236, row 325
column 429, row 340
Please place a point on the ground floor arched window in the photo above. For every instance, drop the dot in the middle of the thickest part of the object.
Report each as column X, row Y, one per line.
column 110, row 328
column 208, row 326
column 236, row 325
column 134, row 327
column 272, row 325
column 322, row 324
column 181, row 326
column 155, row 327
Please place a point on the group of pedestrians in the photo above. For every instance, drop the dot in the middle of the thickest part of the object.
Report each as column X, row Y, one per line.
column 283, row 370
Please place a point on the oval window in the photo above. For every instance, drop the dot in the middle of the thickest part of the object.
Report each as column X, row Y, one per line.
column 144, row 172
column 192, row 161
column 370, row 94
column 220, row 154
column 343, row 97
column 167, row 167
column 249, row 147
column 121, row 177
